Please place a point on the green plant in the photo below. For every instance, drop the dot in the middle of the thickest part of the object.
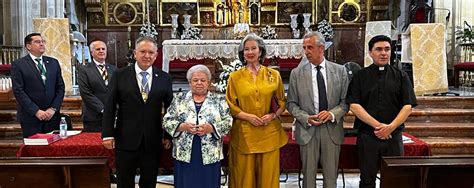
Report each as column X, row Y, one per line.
column 464, row 34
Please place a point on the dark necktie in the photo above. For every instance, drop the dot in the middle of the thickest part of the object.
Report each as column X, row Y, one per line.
column 42, row 69
column 323, row 99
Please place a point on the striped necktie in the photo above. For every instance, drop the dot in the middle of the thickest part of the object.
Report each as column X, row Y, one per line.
column 145, row 87
column 42, row 69
column 103, row 73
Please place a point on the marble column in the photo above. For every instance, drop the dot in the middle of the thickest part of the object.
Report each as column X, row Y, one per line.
column 22, row 12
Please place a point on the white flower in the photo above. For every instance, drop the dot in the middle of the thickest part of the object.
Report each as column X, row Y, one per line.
column 148, row 30
column 325, row 28
column 221, row 85
column 268, row 32
column 193, row 33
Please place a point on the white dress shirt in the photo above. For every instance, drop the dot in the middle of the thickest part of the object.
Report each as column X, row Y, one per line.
column 314, row 80
column 36, row 62
column 140, row 78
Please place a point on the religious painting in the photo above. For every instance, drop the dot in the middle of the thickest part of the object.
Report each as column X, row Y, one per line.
column 125, row 13
column 348, row 11
column 153, row 12
column 267, row 18
column 180, row 8
column 95, row 18
column 207, row 18
column 285, row 9
column 254, row 14
column 119, row 13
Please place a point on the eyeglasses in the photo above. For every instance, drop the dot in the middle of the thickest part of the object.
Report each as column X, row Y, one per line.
column 39, row 41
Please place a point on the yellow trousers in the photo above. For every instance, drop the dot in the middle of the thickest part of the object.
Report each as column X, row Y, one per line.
column 254, row 170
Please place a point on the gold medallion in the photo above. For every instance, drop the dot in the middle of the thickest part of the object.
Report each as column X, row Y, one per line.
column 144, row 96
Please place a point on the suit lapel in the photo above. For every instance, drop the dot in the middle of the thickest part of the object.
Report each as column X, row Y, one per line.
column 154, row 81
column 93, row 69
column 134, row 83
column 109, row 70
column 330, row 82
column 308, row 81
column 31, row 63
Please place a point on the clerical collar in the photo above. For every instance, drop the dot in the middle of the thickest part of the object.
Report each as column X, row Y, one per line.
column 378, row 68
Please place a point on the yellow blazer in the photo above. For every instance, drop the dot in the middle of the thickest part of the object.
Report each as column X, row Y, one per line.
column 245, row 94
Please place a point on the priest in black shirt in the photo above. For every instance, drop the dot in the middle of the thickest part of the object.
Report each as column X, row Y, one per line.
column 381, row 96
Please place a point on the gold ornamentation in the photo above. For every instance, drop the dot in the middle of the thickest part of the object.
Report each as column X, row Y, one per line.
column 144, row 95
column 270, row 77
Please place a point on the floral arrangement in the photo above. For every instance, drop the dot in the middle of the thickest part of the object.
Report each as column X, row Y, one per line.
column 241, row 30
column 193, row 33
column 268, row 32
column 221, row 85
column 148, row 30
column 325, row 28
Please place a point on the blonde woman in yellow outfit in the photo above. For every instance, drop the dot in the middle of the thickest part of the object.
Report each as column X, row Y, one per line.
column 256, row 135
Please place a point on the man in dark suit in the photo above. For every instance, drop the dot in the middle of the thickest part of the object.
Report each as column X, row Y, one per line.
column 38, row 87
column 93, row 80
column 132, row 116
column 316, row 98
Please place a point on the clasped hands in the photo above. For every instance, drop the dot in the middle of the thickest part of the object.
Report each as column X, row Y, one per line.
column 383, row 131
column 261, row 121
column 320, row 118
column 196, row 129
column 45, row 115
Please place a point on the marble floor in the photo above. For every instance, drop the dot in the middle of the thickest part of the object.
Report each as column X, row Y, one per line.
column 351, row 181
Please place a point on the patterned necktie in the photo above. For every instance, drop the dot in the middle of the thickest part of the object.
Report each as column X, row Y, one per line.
column 145, row 87
column 103, row 72
column 42, row 69
column 323, row 99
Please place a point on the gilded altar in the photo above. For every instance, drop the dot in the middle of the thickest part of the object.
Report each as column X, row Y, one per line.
column 213, row 13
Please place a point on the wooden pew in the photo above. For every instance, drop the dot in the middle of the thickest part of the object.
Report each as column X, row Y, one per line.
column 54, row 172
column 427, row 172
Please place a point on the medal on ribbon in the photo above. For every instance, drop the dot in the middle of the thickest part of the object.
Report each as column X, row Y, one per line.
column 144, row 96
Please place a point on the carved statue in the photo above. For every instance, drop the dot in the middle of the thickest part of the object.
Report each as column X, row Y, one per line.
column 220, row 14
column 239, row 11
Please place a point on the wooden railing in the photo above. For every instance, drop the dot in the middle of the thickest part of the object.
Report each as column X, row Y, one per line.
column 9, row 53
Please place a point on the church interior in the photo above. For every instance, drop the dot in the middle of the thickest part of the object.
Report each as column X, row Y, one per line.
column 432, row 40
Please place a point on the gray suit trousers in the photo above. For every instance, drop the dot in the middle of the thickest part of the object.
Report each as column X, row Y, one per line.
column 321, row 149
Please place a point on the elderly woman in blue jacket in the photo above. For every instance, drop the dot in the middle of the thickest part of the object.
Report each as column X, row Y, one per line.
column 198, row 121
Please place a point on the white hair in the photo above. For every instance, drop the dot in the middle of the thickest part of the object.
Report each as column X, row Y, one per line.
column 198, row 68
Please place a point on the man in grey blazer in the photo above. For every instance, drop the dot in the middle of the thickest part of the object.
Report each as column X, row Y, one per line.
column 93, row 80
column 316, row 98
